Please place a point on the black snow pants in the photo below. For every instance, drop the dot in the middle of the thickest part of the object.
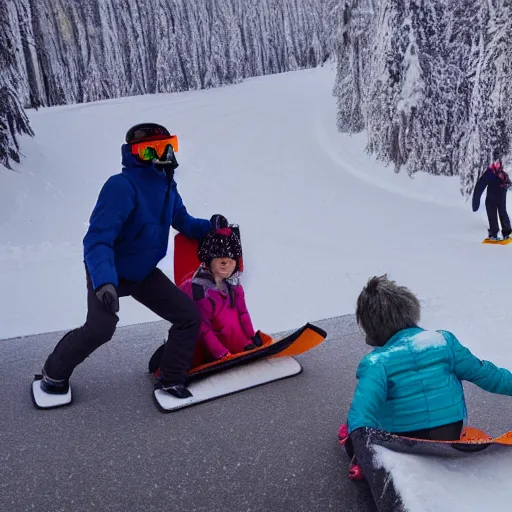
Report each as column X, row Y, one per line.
column 497, row 206
column 158, row 293
column 449, row 432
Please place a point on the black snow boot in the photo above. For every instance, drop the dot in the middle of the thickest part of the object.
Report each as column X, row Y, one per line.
column 54, row 387
column 177, row 390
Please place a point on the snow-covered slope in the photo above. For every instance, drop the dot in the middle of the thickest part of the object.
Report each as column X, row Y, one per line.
column 318, row 215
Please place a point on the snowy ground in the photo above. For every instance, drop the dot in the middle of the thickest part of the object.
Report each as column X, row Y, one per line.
column 318, row 215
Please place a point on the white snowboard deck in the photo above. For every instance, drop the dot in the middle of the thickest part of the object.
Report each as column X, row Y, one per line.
column 231, row 381
column 47, row 401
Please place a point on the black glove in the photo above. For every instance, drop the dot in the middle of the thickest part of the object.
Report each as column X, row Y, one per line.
column 107, row 295
column 249, row 347
column 219, row 221
column 256, row 339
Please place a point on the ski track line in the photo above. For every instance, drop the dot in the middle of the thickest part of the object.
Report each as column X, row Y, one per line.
column 323, row 140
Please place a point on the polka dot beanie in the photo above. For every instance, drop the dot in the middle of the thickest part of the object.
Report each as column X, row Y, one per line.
column 222, row 243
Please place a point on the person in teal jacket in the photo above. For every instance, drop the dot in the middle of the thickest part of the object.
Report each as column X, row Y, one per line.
column 411, row 383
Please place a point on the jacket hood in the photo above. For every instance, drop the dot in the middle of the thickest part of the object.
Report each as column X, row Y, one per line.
column 130, row 161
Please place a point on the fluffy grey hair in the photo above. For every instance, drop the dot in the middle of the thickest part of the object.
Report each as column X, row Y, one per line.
column 384, row 308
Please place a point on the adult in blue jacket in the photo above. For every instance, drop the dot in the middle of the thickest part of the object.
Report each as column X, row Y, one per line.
column 497, row 182
column 127, row 237
column 411, row 383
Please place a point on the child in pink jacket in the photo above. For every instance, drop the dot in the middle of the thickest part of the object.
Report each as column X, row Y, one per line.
column 226, row 326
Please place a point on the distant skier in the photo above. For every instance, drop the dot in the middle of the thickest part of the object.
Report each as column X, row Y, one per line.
column 497, row 182
column 411, row 383
column 127, row 237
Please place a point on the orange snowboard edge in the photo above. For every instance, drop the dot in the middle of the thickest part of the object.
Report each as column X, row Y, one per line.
column 301, row 340
column 472, row 435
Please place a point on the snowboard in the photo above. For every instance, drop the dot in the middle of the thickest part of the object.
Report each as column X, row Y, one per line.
column 231, row 381
column 43, row 400
column 186, row 261
column 500, row 241
column 380, row 477
column 238, row 372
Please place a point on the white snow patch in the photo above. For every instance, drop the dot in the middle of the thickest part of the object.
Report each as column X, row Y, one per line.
column 477, row 482
column 427, row 339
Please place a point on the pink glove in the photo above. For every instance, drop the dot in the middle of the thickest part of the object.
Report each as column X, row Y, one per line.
column 355, row 472
column 343, row 433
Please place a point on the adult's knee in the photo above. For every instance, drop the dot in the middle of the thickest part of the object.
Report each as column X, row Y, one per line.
column 103, row 331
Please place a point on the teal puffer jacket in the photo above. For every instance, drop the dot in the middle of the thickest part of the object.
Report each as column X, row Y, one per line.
column 414, row 382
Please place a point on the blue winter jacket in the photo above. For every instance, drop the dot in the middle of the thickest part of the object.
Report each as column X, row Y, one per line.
column 413, row 382
column 129, row 227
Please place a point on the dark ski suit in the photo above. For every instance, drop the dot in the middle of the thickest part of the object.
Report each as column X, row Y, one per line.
column 497, row 183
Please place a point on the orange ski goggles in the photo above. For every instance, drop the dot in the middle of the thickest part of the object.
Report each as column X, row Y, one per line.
column 146, row 150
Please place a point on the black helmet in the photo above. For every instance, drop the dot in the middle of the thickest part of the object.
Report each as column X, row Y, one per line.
column 151, row 131
column 146, row 131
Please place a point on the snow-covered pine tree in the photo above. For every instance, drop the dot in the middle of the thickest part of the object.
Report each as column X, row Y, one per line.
column 407, row 119
column 13, row 120
column 422, row 124
column 113, row 57
column 25, row 56
column 486, row 134
column 67, row 51
column 386, row 78
column 435, row 93
column 356, row 22
column 171, row 68
column 235, row 55
column 94, row 49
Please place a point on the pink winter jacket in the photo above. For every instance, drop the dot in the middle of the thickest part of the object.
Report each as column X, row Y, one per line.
column 226, row 324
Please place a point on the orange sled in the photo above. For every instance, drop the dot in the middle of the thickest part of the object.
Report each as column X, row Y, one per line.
column 272, row 361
